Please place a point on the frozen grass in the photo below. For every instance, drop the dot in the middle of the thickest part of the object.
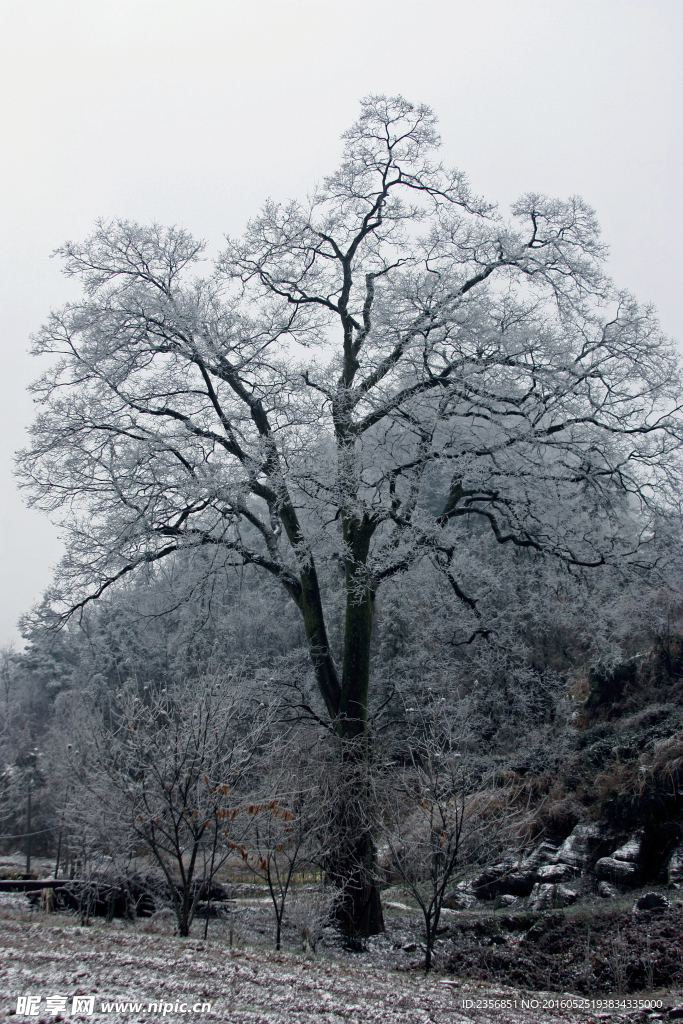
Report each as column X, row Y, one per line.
column 51, row 954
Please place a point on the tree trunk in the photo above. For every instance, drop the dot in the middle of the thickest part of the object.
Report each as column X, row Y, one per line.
column 351, row 862
column 354, row 863
column 352, row 869
column 353, row 706
column 185, row 908
column 428, row 954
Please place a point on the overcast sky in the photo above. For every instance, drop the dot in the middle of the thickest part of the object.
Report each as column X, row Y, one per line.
column 192, row 112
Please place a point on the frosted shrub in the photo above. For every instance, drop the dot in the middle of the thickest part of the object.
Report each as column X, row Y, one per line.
column 310, row 912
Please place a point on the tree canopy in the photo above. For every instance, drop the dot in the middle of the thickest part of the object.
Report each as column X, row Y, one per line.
column 374, row 377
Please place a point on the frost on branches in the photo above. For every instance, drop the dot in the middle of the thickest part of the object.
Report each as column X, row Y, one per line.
column 389, row 374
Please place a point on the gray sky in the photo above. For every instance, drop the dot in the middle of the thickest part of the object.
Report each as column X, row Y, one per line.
column 192, row 112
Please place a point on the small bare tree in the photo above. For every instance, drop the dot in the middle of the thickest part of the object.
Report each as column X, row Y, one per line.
column 289, row 824
column 167, row 764
column 431, row 815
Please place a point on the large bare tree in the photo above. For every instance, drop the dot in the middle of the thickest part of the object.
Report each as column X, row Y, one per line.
column 365, row 376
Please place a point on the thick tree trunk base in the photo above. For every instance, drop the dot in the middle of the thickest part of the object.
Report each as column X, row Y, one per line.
column 359, row 911
column 361, row 915
column 351, row 863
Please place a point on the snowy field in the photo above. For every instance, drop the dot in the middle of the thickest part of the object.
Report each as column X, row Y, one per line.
column 49, row 955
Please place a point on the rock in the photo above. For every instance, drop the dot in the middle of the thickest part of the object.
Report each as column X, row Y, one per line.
column 543, row 854
column 460, row 901
column 542, row 896
column 545, row 896
column 566, row 895
column 503, row 879
column 607, row 891
column 507, row 900
column 622, row 872
column 624, row 866
column 465, row 886
column 409, row 947
column 632, row 851
column 651, row 901
column 581, row 846
column 556, row 873
column 463, row 898
column 674, row 869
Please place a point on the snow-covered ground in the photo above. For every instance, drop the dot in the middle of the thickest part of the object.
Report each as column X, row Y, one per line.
column 51, row 955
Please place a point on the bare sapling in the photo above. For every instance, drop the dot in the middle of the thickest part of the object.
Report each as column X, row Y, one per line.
column 168, row 765
column 288, row 822
column 432, row 818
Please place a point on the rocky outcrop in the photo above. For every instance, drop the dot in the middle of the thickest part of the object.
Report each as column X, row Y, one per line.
column 548, row 864
column 632, row 851
column 619, row 872
column 582, row 847
column 542, row 875
column 556, row 873
column 545, row 896
column 461, row 901
column 463, row 898
column 544, row 854
column 504, row 879
column 625, row 866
